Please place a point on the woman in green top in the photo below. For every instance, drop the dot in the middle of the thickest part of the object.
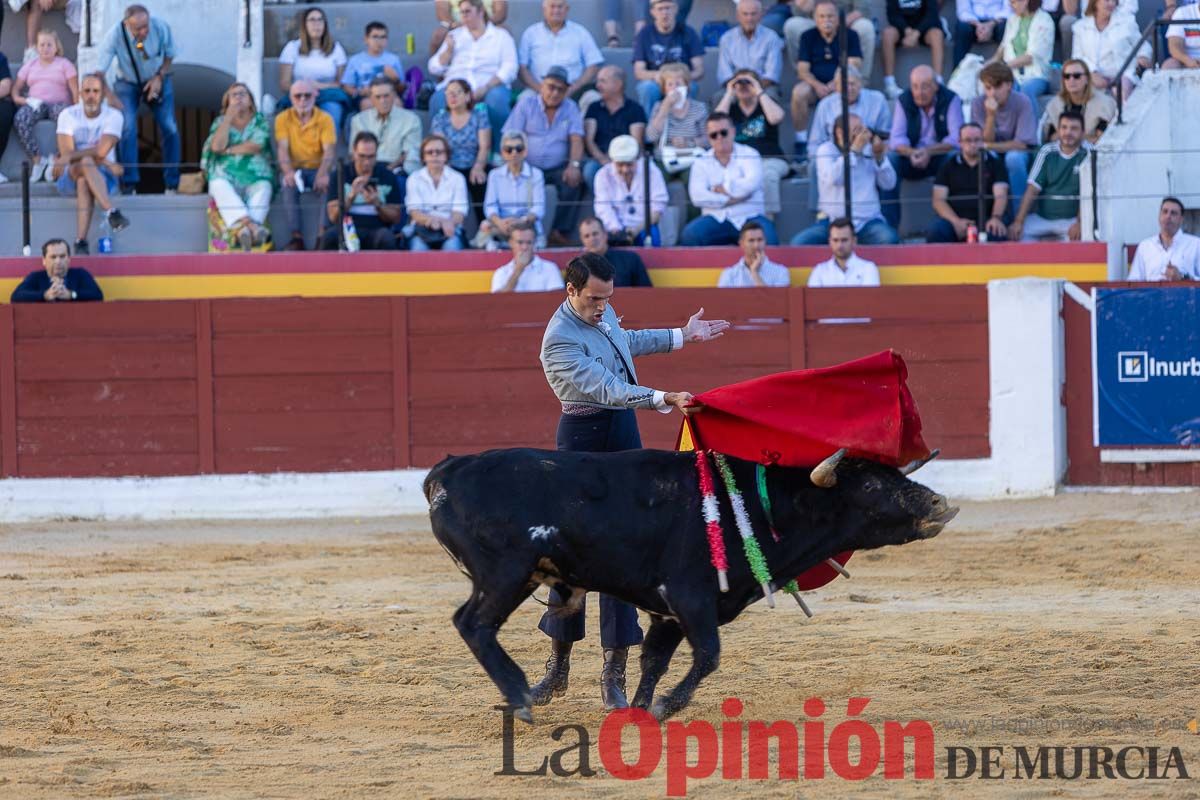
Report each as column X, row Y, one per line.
column 1027, row 48
column 241, row 179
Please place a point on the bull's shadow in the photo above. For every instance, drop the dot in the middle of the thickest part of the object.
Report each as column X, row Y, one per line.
column 631, row 525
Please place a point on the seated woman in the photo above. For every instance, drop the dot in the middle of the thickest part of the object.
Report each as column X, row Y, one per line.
column 1027, row 47
column 317, row 58
column 676, row 125
column 1103, row 39
column 44, row 87
column 467, row 128
column 620, row 194
column 237, row 162
column 516, row 194
column 436, row 198
column 483, row 55
column 1078, row 94
column 756, row 116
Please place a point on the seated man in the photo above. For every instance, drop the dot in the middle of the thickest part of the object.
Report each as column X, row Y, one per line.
column 611, row 116
column 911, row 22
column 750, row 45
column 753, row 268
column 516, row 194
column 667, row 41
column 397, row 129
column 924, row 132
column 373, row 198
column 86, row 167
column 1055, row 174
column 726, row 185
column 557, row 41
column 59, row 282
column 620, row 194
column 858, row 19
column 375, row 61
column 845, row 268
column 818, row 62
column 1183, row 38
column 1171, row 255
column 967, row 193
column 304, row 147
column 526, row 272
column 628, row 268
column 1009, row 123
column 869, row 105
column 870, row 171
column 553, row 126
column 979, row 21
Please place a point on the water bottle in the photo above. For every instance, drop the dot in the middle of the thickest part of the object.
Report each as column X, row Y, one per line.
column 106, row 240
column 350, row 234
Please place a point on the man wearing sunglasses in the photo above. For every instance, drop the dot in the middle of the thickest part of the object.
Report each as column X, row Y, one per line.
column 304, row 145
column 726, row 185
column 553, row 126
column 516, row 195
column 144, row 49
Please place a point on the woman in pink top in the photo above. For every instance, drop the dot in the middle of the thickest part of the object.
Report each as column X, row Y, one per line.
column 52, row 84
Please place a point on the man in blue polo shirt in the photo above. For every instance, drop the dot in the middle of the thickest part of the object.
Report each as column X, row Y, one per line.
column 667, row 41
column 819, row 55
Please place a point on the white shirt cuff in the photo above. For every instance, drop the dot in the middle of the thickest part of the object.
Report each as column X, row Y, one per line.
column 676, row 338
column 660, row 402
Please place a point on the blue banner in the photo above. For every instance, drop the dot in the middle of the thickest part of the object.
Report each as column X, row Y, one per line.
column 1146, row 366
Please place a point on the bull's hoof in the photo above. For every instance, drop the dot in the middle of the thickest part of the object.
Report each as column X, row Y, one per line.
column 659, row 710
column 523, row 713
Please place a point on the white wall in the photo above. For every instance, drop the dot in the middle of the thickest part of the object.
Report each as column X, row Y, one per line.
column 1136, row 164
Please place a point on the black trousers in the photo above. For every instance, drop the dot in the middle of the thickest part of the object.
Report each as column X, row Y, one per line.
column 605, row 432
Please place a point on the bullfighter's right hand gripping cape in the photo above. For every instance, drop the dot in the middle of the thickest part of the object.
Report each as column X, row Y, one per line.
column 799, row 418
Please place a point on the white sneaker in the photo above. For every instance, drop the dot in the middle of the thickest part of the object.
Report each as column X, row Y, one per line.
column 892, row 89
column 38, row 173
column 2, row 178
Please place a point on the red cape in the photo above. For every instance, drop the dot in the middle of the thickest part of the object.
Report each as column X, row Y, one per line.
column 799, row 418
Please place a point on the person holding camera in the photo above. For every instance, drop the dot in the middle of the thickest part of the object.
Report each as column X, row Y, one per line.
column 373, row 199
column 756, row 117
column 144, row 49
column 870, row 171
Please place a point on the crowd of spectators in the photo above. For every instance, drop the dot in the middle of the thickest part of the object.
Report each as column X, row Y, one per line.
column 513, row 113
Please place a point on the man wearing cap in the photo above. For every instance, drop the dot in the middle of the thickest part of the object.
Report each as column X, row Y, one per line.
column 620, row 192
column 553, row 126
column 588, row 361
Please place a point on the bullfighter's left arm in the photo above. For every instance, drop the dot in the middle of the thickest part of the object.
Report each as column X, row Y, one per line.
column 653, row 340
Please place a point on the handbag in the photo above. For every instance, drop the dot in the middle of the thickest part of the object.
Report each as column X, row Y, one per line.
column 964, row 81
column 137, row 73
column 434, row 237
column 675, row 159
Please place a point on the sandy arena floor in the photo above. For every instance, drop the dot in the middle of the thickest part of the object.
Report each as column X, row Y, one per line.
column 317, row 659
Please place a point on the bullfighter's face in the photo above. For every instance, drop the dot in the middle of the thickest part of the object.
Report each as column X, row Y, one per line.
column 590, row 301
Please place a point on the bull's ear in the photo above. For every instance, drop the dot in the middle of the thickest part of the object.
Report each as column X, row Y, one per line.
column 825, row 473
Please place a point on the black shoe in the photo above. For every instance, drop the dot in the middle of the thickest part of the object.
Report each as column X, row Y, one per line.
column 81, row 247
column 117, row 221
column 612, row 678
column 558, row 667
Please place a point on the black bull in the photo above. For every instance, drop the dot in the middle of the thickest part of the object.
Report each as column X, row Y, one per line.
column 630, row 525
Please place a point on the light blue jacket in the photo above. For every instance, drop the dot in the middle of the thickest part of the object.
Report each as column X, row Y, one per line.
column 584, row 364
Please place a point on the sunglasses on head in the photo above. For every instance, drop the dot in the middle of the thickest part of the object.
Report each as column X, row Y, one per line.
column 721, row 134
column 1072, row 75
column 514, row 148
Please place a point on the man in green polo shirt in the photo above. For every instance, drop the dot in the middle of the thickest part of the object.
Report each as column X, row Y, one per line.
column 1054, row 186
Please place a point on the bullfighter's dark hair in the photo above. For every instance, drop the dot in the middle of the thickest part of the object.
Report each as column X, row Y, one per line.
column 585, row 265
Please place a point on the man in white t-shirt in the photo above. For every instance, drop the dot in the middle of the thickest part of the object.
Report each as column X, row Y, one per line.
column 753, row 268
column 1171, row 255
column 845, row 268
column 1183, row 38
column 526, row 272
column 86, row 167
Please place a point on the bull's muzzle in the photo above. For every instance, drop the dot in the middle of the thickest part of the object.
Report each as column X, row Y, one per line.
column 940, row 513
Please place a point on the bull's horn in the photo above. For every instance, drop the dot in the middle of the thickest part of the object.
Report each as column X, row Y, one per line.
column 913, row 466
column 823, row 474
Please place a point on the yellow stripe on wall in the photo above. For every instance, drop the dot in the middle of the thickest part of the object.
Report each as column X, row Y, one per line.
column 360, row 284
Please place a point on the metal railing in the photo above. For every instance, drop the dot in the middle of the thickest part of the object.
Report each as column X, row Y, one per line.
column 1152, row 28
column 247, row 19
column 87, row 23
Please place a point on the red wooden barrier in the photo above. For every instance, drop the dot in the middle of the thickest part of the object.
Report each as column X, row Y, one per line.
column 232, row 386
